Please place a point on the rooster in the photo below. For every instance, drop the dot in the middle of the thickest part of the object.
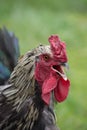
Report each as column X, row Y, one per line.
column 25, row 101
column 9, row 53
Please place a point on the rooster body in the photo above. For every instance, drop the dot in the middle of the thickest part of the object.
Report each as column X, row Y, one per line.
column 24, row 102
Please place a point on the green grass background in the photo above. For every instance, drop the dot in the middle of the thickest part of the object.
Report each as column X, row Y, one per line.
column 33, row 22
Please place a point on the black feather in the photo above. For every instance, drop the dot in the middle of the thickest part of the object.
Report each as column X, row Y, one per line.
column 9, row 53
column 46, row 120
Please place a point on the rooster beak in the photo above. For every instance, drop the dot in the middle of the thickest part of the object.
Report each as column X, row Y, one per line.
column 61, row 69
column 66, row 65
column 64, row 68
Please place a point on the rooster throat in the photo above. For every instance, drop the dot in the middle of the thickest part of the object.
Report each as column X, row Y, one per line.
column 60, row 71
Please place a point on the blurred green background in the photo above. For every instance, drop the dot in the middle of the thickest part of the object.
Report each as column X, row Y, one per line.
column 33, row 22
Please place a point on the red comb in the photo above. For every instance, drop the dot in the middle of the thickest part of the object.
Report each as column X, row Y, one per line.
column 58, row 48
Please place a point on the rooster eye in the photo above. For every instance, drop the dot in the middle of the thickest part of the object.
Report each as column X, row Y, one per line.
column 46, row 57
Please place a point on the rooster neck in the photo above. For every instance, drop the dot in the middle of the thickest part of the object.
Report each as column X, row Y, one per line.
column 38, row 99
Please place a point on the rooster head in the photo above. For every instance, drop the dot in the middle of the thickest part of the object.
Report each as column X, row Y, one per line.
column 49, row 70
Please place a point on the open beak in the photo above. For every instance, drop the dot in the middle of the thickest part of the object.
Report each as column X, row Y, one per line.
column 61, row 69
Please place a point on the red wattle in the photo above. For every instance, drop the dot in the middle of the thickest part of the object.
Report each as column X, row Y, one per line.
column 49, row 84
column 62, row 89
